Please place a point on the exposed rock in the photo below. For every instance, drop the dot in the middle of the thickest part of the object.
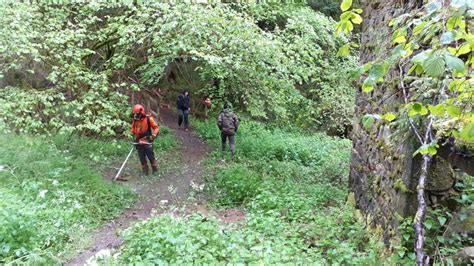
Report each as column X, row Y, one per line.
column 441, row 176
column 384, row 174
column 466, row 255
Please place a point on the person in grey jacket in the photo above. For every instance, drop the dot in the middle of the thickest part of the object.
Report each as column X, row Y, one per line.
column 228, row 123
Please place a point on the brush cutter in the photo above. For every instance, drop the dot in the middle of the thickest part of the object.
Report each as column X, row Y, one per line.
column 128, row 156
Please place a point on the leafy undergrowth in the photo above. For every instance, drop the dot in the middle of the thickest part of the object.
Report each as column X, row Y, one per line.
column 292, row 187
column 52, row 193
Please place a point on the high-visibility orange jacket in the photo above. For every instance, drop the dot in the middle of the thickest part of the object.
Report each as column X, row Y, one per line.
column 140, row 128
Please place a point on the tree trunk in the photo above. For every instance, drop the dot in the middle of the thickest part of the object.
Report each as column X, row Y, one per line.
column 382, row 167
column 420, row 216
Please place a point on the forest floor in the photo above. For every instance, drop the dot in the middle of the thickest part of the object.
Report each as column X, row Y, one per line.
column 155, row 194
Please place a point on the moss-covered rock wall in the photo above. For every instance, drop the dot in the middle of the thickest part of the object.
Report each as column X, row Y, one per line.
column 383, row 175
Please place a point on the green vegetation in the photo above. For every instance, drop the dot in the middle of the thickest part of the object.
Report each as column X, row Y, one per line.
column 93, row 55
column 50, row 196
column 429, row 62
column 448, row 229
column 52, row 192
column 292, row 188
column 67, row 73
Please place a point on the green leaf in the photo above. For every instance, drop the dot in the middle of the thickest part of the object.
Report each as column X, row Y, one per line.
column 430, row 148
column 344, row 50
column 453, row 111
column 368, row 121
column 376, row 72
column 420, row 57
column 345, row 15
column 412, row 68
column 346, row 4
column 368, row 85
column 442, row 220
column 356, row 18
column 419, row 28
column 389, row 117
column 399, row 51
column 447, row 37
column 434, row 66
column 401, row 253
column 464, row 49
column 428, row 224
column 349, row 26
column 419, row 69
column 440, row 239
column 406, row 236
column 400, row 39
column 454, row 63
column 467, row 133
column 417, row 107
column 437, row 110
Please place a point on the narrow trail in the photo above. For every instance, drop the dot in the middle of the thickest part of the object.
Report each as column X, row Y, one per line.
column 152, row 192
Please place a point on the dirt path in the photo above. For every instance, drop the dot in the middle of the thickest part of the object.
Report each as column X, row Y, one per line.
column 172, row 189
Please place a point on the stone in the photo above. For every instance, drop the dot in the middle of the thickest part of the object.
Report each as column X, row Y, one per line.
column 466, row 255
column 441, row 176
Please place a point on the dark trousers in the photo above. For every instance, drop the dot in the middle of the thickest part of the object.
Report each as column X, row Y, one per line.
column 231, row 138
column 145, row 151
column 183, row 115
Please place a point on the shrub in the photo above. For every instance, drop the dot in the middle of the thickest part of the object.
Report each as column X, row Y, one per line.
column 50, row 196
column 237, row 185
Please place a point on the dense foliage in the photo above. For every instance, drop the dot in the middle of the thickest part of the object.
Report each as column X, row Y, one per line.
column 52, row 86
column 48, row 202
column 72, row 73
column 430, row 66
column 52, row 193
column 434, row 57
column 294, row 203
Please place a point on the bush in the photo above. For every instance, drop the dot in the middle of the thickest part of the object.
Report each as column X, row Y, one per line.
column 290, row 186
column 265, row 239
column 237, row 185
column 322, row 158
column 50, row 196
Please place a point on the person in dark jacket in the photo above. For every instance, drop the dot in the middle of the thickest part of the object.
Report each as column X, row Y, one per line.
column 183, row 109
column 228, row 123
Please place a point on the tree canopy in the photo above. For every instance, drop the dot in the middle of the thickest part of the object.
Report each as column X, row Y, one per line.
column 82, row 58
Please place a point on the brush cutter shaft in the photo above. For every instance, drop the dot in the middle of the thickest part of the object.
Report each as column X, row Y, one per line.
column 120, row 170
column 138, row 143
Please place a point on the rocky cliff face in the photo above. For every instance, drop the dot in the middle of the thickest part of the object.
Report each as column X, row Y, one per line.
column 383, row 174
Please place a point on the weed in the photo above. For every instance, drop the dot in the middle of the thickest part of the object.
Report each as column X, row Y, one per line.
column 292, row 187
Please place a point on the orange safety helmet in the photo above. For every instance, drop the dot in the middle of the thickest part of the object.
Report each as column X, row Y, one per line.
column 138, row 112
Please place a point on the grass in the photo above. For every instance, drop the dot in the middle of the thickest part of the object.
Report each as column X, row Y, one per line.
column 292, row 187
column 52, row 193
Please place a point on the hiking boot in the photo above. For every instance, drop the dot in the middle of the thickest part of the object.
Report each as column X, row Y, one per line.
column 154, row 166
column 145, row 169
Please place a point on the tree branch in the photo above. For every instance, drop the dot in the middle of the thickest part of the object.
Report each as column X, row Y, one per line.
column 405, row 98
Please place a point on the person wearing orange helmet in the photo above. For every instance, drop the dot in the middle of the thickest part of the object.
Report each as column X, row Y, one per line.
column 144, row 130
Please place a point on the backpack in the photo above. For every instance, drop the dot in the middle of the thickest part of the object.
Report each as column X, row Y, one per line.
column 227, row 123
